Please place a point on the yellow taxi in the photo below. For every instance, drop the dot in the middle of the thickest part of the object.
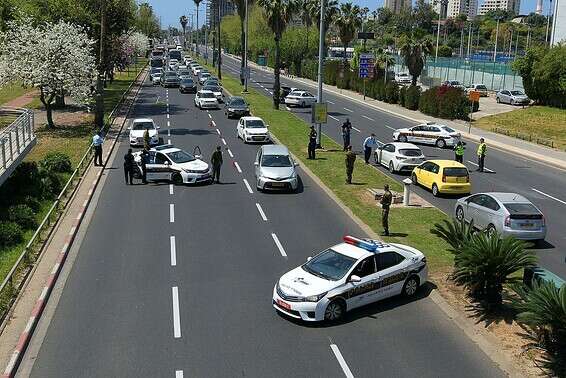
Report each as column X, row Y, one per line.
column 443, row 177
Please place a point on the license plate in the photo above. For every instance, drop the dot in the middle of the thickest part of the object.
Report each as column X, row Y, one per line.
column 527, row 225
column 278, row 184
column 284, row 304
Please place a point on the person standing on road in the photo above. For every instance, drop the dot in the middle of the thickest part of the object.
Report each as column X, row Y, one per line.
column 350, row 160
column 97, row 145
column 216, row 161
column 481, row 155
column 346, row 130
column 312, row 143
column 144, row 161
column 129, row 167
column 369, row 143
column 386, row 201
column 459, row 152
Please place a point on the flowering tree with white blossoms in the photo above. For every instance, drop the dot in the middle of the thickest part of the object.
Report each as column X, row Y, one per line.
column 56, row 58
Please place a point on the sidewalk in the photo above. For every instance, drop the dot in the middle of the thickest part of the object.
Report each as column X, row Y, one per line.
column 20, row 324
column 525, row 149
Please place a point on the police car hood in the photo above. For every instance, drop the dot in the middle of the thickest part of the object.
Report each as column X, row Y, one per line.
column 195, row 165
column 139, row 133
column 299, row 282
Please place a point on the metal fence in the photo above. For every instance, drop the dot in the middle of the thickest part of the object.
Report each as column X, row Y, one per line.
column 16, row 138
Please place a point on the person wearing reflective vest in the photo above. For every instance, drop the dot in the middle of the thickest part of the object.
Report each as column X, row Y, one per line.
column 459, row 152
column 481, row 155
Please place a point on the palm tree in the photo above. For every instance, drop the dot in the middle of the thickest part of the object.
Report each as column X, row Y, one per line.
column 330, row 12
column 278, row 14
column 456, row 233
column 306, row 17
column 383, row 59
column 414, row 50
column 241, row 9
column 197, row 3
column 348, row 21
column 184, row 21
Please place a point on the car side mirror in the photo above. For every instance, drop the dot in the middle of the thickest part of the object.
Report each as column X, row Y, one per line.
column 129, row 128
column 355, row 279
column 158, row 127
column 198, row 156
column 296, row 164
column 256, row 163
column 309, row 258
column 166, row 163
column 266, row 126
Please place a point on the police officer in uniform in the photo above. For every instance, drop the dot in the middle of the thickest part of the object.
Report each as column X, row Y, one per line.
column 129, row 167
column 312, row 143
column 350, row 160
column 346, row 131
column 459, row 152
column 386, row 201
column 216, row 161
column 481, row 155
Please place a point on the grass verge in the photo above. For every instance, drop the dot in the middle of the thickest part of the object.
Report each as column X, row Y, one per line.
column 11, row 91
column 532, row 123
column 409, row 226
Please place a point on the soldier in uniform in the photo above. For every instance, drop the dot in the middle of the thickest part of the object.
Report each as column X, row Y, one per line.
column 386, row 201
column 312, row 143
column 216, row 161
column 350, row 160
column 129, row 167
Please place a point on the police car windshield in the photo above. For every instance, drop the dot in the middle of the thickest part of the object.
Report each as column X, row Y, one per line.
column 255, row 124
column 410, row 152
column 180, row 157
column 329, row 265
column 448, row 129
column 143, row 126
column 275, row 161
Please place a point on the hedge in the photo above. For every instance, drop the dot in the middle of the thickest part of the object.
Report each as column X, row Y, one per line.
column 445, row 102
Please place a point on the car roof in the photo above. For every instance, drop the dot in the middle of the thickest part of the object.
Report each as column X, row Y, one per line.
column 275, row 149
column 250, row 118
column 404, row 145
column 205, row 91
column 507, row 197
column 361, row 253
column 447, row 163
column 142, row 120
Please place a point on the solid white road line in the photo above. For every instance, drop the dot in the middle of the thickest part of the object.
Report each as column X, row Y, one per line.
column 178, row 373
column 173, row 251
column 168, row 141
column 168, row 132
column 261, row 213
column 334, row 118
column 278, row 244
column 366, row 117
column 348, row 110
column 238, row 167
column 484, row 168
column 176, row 315
column 218, row 131
column 209, row 116
column 168, row 116
column 389, row 127
column 171, row 189
column 330, row 102
column 230, row 153
column 248, row 186
column 341, row 361
column 171, row 213
column 223, row 141
column 549, row 196
column 168, row 123
column 358, row 130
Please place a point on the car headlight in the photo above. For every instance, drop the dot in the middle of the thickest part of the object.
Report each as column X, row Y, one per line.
column 193, row 171
column 230, row 109
column 315, row 298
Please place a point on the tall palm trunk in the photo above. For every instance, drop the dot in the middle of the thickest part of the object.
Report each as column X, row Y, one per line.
column 345, row 48
column 243, row 53
column 277, row 69
column 198, row 39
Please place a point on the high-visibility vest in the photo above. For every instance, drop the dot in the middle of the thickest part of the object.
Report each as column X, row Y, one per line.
column 481, row 149
column 459, row 150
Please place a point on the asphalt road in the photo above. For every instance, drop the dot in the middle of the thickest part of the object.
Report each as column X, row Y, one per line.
column 133, row 308
column 545, row 186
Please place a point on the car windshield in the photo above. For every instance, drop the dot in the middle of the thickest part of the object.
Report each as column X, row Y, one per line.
column 143, row 126
column 481, row 87
column 212, row 88
column 254, row 124
column 329, row 265
column 180, row 157
column 455, row 172
column 521, row 208
column 455, row 82
column 517, row 93
column 207, row 95
column 410, row 152
column 170, row 74
column 275, row 161
column 448, row 129
column 237, row 102
column 184, row 73
column 187, row 81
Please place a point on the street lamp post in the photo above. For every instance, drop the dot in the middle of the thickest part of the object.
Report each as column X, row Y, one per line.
column 441, row 2
column 320, row 62
column 246, row 51
column 496, row 37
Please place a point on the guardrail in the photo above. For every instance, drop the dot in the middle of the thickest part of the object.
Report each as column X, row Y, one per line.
column 14, row 279
column 527, row 137
column 16, row 137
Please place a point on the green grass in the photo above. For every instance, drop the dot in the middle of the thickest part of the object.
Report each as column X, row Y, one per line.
column 411, row 226
column 532, row 122
column 11, row 91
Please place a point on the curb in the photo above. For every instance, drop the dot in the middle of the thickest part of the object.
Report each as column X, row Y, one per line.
column 41, row 302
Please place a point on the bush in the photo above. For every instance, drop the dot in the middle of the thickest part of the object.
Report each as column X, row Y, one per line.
column 445, row 102
column 10, row 234
column 56, row 162
column 402, row 95
column 51, row 185
column 392, row 92
column 412, row 96
column 380, row 91
column 33, row 203
column 444, row 51
column 23, row 215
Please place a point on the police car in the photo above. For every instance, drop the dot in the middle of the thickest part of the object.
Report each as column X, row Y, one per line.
column 169, row 163
column 349, row 275
column 428, row 133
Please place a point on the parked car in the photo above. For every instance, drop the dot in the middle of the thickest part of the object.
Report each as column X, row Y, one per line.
column 399, row 157
column 510, row 214
column 477, row 88
column 137, row 131
column 428, row 133
column 187, row 86
column 443, row 177
column 275, row 168
column 236, row 107
column 513, row 97
column 403, row 78
column 300, row 98
column 454, row 84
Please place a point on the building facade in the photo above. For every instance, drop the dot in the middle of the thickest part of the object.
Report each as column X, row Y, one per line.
column 513, row 6
column 458, row 7
column 558, row 32
column 226, row 8
column 397, row 5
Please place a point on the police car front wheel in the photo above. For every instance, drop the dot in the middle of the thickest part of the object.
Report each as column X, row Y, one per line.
column 334, row 311
column 411, row 286
column 177, row 178
column 440, row 143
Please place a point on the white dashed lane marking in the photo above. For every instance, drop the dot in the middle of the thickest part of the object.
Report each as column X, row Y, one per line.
column 171, row 213
column 358, row 130
column 247, row 184
column 279, row 245
column 334, row 118
column 341, row 361
column 549, row 196
column 230, row 153
column 173, row 248
column 171, row 189
column 176, row 314
column 348, row 110
column 237, row 167
column 366, row 117
column 261, row 213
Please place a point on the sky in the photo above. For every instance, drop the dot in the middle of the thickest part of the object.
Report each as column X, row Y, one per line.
column 170, row 10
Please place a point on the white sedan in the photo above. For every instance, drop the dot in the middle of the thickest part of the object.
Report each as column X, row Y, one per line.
column 428, row 133
column 399, row 157
column 137, row 131
column 252, row 129
column 349, row 275
column 169, row 163
column 300, row 98
column 206, row 100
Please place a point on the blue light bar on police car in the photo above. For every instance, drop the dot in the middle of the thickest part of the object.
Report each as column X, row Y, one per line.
column 369, row 246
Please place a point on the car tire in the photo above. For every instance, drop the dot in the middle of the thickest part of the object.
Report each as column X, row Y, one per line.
column 334, row 311
column 414, row 179
column 402, row 138
column 411, row 286
column 440, row 143
column 303, row 104
column 435, row 191
column 177, row 178
column 391, row 167
column 497, row 100
column 512, row 102
column 460, row 213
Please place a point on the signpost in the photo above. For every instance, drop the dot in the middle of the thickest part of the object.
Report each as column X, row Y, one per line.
column 366, row 68
column 319, row 113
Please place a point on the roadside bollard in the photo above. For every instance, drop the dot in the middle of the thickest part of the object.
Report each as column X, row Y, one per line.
column 406, row 191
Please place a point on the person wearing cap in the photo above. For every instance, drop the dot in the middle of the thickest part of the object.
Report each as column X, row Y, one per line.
column 97, row 145
column 312, row 143
column 459, row 152
column 350, row 160
column 129, row 167
column 369, row 143
column 386, row 201
column 216, row 161
column 346, row 131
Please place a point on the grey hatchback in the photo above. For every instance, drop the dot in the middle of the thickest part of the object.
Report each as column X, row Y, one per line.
column 510, row 214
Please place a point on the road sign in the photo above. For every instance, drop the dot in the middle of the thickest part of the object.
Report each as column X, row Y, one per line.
column 366, row 35
column 319, row 113
column 366, row 66
column 474, row 96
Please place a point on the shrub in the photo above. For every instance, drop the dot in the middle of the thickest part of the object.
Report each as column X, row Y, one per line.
column 51, row 185
column 392, row 92
column 380, row 91
column 444, row 51
column 23, row 215
column 402, row 94
column 445, row 102
column 33, row 203
column 10, row 234
column 412, row 96
column 56, row 162
column 456, row 233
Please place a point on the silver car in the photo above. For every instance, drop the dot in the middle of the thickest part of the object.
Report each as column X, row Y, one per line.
column 512, row 97
column 510, row 214
column 275, row 169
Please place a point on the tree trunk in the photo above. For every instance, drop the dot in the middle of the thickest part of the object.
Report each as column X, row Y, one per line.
column 345, row 47
column 414, row 80
column 276, row 84
column 99, row 114
column 60, row 100
column 47, row 103
column 243, row 43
